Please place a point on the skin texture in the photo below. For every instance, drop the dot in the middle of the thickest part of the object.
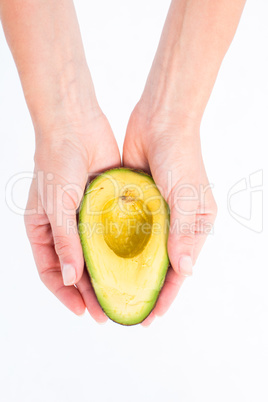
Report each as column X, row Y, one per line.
column 73, row 135
column 53, row 231
column 163, row 131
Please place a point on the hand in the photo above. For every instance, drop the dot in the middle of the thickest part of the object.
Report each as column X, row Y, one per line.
column 64, row 158
column 163, row 131
column 169, row 148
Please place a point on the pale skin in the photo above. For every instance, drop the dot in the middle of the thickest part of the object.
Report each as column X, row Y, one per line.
column 73, row 134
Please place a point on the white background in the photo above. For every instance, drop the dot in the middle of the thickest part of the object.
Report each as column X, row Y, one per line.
column 212, row 345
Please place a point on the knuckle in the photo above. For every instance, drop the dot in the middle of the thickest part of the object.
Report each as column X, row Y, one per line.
column 69, row 199
column 43, row 277
column 26, row 219
column 62, row 245
column 187, row 239
column 31, row 220
column 31, row 224
column 30, row 217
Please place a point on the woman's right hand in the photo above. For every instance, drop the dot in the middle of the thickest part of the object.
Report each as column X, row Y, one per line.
column 65, row 157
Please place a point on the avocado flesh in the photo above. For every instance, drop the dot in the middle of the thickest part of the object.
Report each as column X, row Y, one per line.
column 123, row 226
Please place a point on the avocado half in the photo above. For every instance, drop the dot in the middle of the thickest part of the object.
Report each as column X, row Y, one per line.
column 123, row 227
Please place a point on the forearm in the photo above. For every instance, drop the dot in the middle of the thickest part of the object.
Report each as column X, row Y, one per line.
column 195, row 38
column 46, row 44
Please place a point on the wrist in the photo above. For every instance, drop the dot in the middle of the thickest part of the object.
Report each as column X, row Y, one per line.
column 58, row 97
column 166, row 92
column 69, row 126
column 159, row 112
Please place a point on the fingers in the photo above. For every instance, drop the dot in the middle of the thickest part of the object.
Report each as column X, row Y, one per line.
column 189, row 228
column 60, row 207
column 204, row 227
column 167, row 295
column 181, row 241
column 52, row 279
column 47, row 262
column 90, row 300
column 68, row 248
column 148, row 320
column 169, row 292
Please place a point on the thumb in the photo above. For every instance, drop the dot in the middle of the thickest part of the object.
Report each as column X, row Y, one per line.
column 66, row 239
column 183, row 207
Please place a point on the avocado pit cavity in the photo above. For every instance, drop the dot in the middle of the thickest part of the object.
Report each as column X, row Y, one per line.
column 127, row 224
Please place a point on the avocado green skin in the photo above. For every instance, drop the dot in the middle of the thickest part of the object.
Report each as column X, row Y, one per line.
column 87, row 257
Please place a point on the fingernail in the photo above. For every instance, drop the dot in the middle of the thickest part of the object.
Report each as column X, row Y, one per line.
column 82, row 314
column 68, row 274
column 186, row 265
column 102, row 322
